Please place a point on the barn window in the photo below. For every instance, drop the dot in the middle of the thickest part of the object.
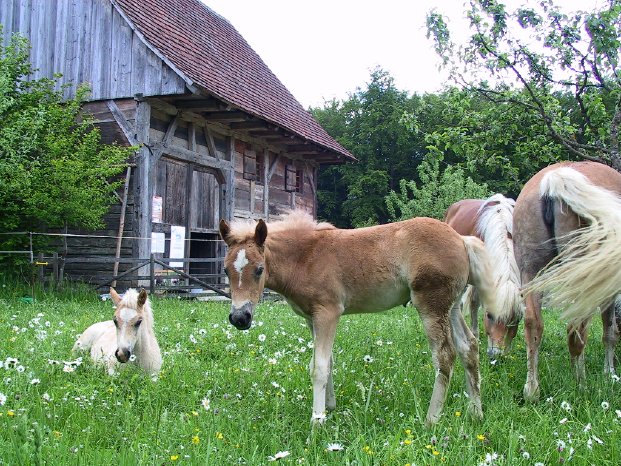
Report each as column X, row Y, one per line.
column 250, row 165
column 294, row 179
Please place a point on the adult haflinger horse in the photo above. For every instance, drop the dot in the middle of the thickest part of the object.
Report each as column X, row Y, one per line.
column 567, row 235
column 325, row 272
column 491, row 220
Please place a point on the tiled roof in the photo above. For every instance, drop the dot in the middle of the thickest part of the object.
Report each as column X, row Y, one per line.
column 210, row 52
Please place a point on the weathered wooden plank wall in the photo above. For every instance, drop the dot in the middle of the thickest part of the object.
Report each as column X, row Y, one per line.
column 88, row 41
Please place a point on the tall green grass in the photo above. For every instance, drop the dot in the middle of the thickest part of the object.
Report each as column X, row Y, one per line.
column 230, row 397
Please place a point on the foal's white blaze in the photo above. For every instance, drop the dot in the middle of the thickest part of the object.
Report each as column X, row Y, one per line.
column 127, row 314
column 240, row 262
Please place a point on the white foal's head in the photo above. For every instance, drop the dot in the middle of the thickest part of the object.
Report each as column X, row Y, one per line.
column 128, row 317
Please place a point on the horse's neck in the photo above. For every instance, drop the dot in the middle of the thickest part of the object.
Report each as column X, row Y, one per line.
column 283, row 254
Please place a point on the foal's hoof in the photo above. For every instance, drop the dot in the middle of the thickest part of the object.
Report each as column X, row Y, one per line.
column 476, row 412
column 318, row 419
column 431, row 421
column 531, row 393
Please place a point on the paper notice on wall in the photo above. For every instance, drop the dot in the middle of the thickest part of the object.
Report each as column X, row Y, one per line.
column 156, row 209
column 177, row 244
column 158, row 243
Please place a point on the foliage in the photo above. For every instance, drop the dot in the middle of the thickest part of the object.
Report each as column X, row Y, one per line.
column 259, row 394
column 54, row 169
column 436, row 191
column 562, row 70
column 370, row 125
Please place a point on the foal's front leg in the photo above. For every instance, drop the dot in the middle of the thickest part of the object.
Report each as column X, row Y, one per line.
column 324, row 329
column 330, row 398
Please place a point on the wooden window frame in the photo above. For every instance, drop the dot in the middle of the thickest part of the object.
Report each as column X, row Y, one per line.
column 294, row 179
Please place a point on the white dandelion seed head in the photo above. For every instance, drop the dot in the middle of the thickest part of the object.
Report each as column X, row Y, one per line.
column 132, row 358
column 2, row 399
column 368, row 358
column 262, row 337
column 35, row 382
column 20, row 368
column 605, row 405
column 525, row 455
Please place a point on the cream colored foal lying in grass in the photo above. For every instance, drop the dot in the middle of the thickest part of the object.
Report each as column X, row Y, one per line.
column 129, row 337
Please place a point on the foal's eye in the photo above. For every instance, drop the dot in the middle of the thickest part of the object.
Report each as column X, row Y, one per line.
column 259, row 271
column 489, row 316
column 138, row 322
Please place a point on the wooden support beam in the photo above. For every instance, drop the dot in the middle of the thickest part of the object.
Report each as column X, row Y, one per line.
column 128, row 129
column 233, row 115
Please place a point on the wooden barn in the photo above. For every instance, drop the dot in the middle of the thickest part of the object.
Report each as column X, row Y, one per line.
column 219, row 135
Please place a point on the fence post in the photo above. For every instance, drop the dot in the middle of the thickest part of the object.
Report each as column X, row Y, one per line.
column 152, row 274
column 41, row 271
column 55, row 269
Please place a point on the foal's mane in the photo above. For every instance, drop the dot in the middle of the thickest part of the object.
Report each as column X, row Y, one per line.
column 130, row 300
column 295, row 220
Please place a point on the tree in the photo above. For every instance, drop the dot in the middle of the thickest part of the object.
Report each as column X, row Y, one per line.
column 560, row 69
column 54, row 169
column 437, row 190
column 370, row 125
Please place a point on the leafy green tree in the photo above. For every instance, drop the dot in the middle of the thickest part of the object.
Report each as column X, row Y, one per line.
column 562, row 70
column 370, row 125
column 435, row 192
column 54, row 169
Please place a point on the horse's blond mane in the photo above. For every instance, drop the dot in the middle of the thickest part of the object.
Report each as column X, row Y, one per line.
column 293, row 220
column 130, row 300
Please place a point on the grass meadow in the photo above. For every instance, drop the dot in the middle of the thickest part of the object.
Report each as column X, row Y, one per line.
column 228, row 397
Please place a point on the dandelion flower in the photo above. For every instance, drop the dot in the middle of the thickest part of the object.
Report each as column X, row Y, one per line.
column 335, row 447
column 174, row 457
column 278, row 456
column 457, row 413
column 196, row 440
column 368, row 358
column 480, row 437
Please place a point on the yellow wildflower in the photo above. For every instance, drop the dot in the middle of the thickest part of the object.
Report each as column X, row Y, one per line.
column 196, row 440
column 219, row 436
column 480, row 437
column 457, row 413
column 10, row 413
column 174, row 457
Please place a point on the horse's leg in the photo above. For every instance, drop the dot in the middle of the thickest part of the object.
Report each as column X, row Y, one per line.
column 324, row 330
column 434, row 312
column 467, row 346
column 576, row 341
column 610, row 336
column 533, row 330
column 330, row 397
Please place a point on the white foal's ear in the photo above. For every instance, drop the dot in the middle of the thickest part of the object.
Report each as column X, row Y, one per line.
column 260, row 233
column 225, row 231
column 142, row 297
column 116, row 299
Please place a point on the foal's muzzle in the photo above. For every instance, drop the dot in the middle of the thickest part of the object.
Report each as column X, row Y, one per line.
column 241, row 317
column 122, row 355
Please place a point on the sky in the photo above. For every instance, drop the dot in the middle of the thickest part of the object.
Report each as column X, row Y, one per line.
column 326, row 49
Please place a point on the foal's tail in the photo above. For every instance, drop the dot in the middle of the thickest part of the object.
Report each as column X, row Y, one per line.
column 587, row 271
column 495, row 227
column 482, row 276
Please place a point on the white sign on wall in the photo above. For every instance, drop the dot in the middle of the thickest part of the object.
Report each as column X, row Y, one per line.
column 158, row 243
column 177, row 244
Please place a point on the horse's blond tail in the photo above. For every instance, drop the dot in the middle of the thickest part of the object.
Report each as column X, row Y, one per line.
column 495, row 227
column 587, row 271
column 482, row 277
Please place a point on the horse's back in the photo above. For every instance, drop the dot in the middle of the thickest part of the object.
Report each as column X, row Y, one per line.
column 462, row 216
column 93, row 333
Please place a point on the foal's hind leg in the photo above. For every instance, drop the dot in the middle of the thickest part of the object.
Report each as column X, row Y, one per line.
column 470, row 301
column 610, row 335
column 533, row 331
column 468, row 350
column 324, row 330
column 434, row 312
column 576, row 341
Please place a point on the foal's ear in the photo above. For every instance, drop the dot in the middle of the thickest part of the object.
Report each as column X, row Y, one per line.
column 142, row 297
column 260, row 233
column 225, row 231
column 116, row 299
